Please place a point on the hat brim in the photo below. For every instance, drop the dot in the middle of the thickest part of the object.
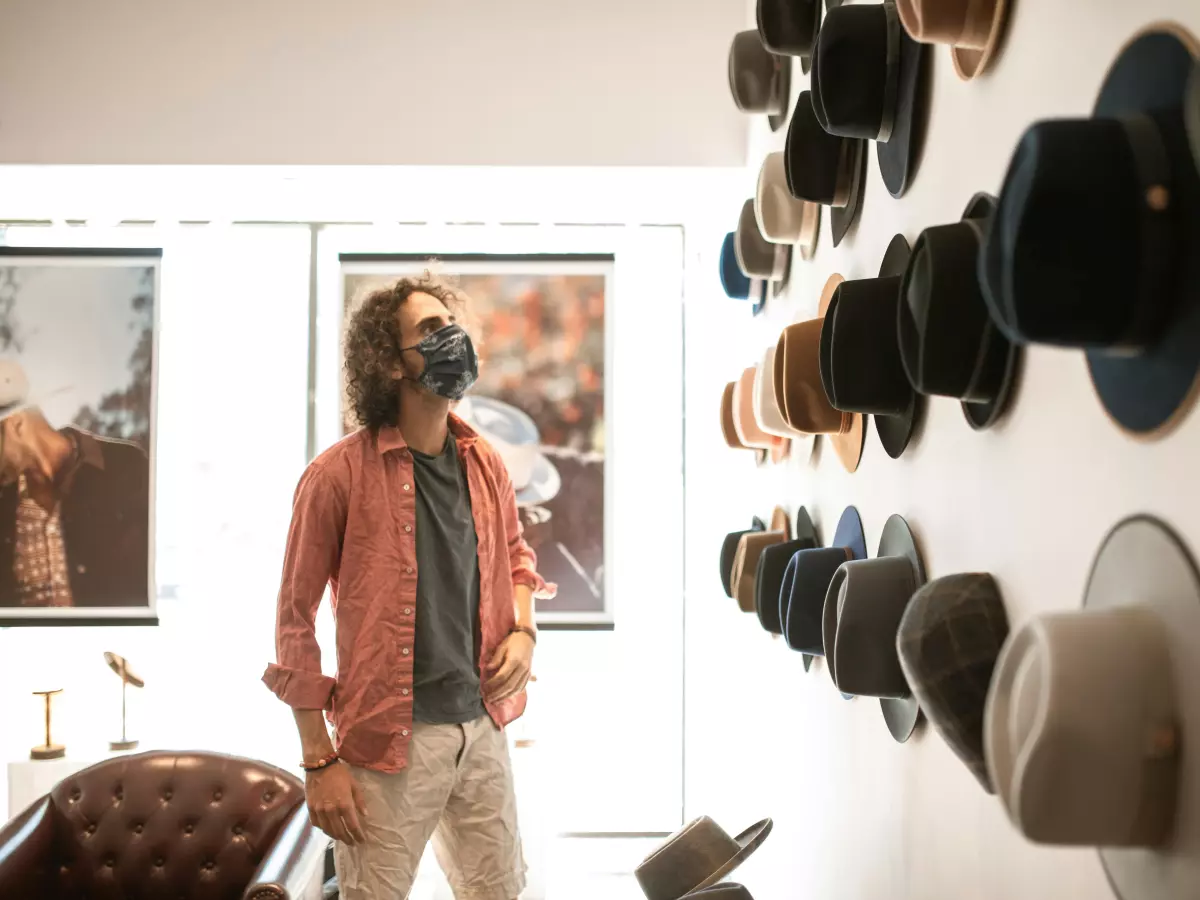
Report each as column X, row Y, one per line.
column 1149, row 393
column 901, row 714
column 850, row 535
column 749, row 841
column 981, row 416
column 842, row 217
column 968, row 61
column 544, row 483
column 782, row 88
column 848, row 445
column 895, row 432
column 1142, row 561
column 898, row 156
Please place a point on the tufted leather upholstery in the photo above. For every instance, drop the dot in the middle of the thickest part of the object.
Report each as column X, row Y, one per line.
column 165, row 826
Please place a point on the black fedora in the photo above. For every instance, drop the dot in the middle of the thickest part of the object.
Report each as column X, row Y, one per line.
column 868, row 73
column 861, row 368
column 806, row 581
column 863, row 609
column 729, row 550
column 948, row 343
column 1094, row 242
column 824, row 168
column 789, row 27
column 759, row 80
column 756, row 256
column 771, row 567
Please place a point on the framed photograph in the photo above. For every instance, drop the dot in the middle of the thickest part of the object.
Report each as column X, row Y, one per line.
column 543, row 340
column 78, row 364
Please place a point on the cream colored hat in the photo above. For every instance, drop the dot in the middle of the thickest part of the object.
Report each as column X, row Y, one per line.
column 782, row 218
column 1092, row 726
column 768, row 415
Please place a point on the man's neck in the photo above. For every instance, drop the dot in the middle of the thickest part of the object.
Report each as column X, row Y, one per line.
column 52, row 453
column 423, row 419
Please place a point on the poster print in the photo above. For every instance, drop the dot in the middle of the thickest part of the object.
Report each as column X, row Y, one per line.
column 77, row 392
column 540, row 325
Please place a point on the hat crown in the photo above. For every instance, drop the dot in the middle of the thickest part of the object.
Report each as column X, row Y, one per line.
column 962, row 23
column 14, row 385
column 752, row 73
column 1069, row 769
column 809, row 575
column 868, row 598
column 798, row 381
column 818, row 166
column 779, row 215
column 860, row 366
column 947, row 340
column 949, row 639
column 1074, row 194
column 787, row 26
column 685, row 860
column 772, row 568
column 853, row 69
column 733, row 280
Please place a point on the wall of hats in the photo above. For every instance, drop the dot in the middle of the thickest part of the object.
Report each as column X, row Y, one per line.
column 953, row 424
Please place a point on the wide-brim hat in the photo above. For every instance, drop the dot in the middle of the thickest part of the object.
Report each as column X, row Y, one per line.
column 860, row 363
column 728, row 431
column 948, row 342
column 768, row 415
column 772, row 563
column 1091, row 727
column 860, row 621
column 725, row 891
column 759, row 80
column 729, row 551
column 789, row 26
column 781, row 218
column 806, row 581
column 824, row 168
column 515, row 437
column 971, row 28
column 949, row 639
column 1093, row 242
column 868, row 81
column 756, row 256
column 744, row 423
column 744, row 571
column 697, row 856
column 799, row 391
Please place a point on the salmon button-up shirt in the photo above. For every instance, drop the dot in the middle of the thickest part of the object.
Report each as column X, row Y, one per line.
column 354, row 529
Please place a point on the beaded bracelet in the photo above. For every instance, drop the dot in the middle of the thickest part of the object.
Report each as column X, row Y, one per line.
column 322, row 763
column 525, row 629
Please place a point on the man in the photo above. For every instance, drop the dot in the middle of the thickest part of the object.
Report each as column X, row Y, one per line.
column 412, row 521
column 74, row 510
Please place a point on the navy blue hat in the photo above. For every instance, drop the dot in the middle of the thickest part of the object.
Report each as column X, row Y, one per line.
column 735, row 282
column 1093, row 245
column 771, row 567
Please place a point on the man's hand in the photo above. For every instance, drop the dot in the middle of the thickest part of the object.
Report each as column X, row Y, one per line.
column 510, row 667
column 335, row 803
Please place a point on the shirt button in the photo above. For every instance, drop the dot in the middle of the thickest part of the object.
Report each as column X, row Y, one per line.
column 403, row 692
column 408, row 610
column 407, row 528
column 408, row 570
column 406, row 487
column 405, row 651
column 404, row 732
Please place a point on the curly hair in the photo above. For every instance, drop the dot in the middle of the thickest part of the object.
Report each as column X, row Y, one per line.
column 372, row 346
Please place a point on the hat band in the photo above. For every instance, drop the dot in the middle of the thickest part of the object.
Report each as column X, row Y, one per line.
column 1152, row 163
column 847, row 157
column 779, row 264
column 891, row 86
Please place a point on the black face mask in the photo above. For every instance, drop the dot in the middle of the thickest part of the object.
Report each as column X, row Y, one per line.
column 451, row 365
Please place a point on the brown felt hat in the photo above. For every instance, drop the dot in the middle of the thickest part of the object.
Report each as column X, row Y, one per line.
column 800, row 393
column 744, row 576
column 972, row 29
column 727, row 426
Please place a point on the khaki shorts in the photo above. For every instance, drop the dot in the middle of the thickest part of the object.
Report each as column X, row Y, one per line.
column 457, row 789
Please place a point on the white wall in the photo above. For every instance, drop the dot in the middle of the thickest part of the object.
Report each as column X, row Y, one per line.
column 858, row 816
column 379, row 82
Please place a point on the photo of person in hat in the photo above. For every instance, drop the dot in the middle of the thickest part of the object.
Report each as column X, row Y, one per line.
column 74, row 510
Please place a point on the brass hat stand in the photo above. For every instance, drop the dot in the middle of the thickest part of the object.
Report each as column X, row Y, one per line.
column 121, row 667
column 48, row 750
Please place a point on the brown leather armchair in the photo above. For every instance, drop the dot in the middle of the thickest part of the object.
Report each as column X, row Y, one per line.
column 165, row 826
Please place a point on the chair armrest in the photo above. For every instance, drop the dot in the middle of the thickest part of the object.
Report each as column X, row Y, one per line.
column 295, row 861
column 25, row 845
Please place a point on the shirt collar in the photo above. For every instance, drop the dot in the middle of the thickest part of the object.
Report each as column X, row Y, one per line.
column 390, row 438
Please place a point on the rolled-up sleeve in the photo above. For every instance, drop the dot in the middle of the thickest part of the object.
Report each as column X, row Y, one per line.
column 521, row 557
column 312, row 557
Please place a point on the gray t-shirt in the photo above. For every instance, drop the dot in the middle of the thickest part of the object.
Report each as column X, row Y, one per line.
column 445, row 665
